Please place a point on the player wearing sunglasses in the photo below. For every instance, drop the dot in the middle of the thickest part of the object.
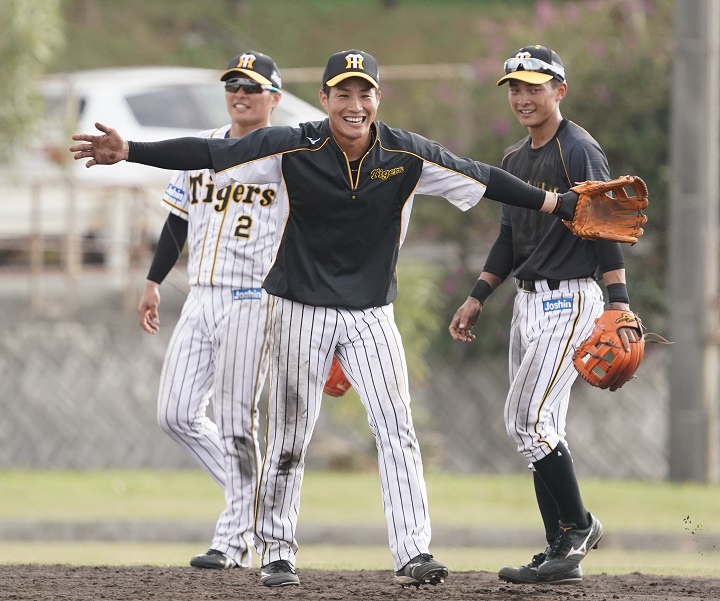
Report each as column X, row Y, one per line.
column 218, row 351
column 248, row 86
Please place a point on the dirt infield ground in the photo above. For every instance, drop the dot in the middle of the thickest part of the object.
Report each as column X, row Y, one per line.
column 184, row 584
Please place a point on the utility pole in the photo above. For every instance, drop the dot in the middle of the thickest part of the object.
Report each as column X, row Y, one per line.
column 694, row 371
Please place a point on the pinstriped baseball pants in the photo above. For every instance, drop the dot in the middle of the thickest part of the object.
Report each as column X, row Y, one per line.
column 547, row 326
column 367, row 343
column 218, row 352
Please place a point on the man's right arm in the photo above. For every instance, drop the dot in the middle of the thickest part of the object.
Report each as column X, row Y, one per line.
column 182, row 154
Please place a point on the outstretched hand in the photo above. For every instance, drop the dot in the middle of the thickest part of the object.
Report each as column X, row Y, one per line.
column 106, row 149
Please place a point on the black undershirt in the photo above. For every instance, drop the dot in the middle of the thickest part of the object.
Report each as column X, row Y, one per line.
column 169, row 247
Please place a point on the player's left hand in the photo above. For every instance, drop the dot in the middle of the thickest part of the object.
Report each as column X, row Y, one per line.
column 626, row 335
column 464, row 319
column 106, row 149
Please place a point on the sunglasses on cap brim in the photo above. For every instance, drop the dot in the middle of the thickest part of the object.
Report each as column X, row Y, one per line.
column 248, row 86
column 533, row 64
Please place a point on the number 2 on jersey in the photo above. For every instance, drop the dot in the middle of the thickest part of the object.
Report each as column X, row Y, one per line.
column 242, row 229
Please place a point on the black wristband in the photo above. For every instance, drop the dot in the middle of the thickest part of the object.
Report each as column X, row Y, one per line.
column 565, row 207
column 481, row 290
column 617, row 293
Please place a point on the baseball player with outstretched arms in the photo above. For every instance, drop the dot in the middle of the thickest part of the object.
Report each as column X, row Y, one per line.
column 219, row 349
column 557, row 302
column 346, row 186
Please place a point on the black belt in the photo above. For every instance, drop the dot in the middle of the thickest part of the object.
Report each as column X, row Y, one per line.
column 529, row 285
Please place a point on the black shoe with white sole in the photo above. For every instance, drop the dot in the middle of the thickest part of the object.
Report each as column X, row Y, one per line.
column 279, row 573
column 422, row 569
column 213, row 560
column 528, row 574
column 571, row 546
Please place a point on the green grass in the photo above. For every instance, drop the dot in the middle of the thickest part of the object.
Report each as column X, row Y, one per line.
column 687, row 511
column 111, row 494
column 339, row 498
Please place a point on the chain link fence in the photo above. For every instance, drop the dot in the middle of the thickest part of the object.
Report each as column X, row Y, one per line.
column 78, row 390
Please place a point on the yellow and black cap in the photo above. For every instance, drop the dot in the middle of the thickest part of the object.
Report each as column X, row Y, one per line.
column 256, row 66
column 534, row 64
column 351, row 63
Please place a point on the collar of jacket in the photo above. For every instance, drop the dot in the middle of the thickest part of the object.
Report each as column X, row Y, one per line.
column 373, row 137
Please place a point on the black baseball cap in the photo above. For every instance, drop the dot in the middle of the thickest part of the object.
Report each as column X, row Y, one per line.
column 256, row 66
column 351, row 63
column 534, row 64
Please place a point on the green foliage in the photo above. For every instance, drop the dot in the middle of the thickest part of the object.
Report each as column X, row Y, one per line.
column 619, row 90
column 617, row 57
column 618, row 62
column 418, row 312
column 31, row 33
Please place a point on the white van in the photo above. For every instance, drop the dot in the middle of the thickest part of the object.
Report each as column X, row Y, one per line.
column 51, row 195
column 143, row 104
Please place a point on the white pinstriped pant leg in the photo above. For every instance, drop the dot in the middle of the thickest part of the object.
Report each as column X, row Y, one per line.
column 302, row 339
column 241, row 355
column 372, row 356
column 186, row 383
column 370, row 350
column 546, row 328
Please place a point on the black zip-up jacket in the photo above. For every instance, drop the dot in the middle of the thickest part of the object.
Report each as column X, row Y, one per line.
column 339, row 233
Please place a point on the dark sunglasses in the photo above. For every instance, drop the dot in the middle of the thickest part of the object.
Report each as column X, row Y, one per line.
column 248, row 86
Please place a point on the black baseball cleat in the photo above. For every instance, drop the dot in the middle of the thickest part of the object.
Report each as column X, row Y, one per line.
column 528, row 574
column 571, row 545
column 422, row 569
column 279, row 573
column 213, row 560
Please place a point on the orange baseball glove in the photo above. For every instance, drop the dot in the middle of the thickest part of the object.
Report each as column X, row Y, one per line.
column 618, row 217
column 336, row 384
column 601, row 359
